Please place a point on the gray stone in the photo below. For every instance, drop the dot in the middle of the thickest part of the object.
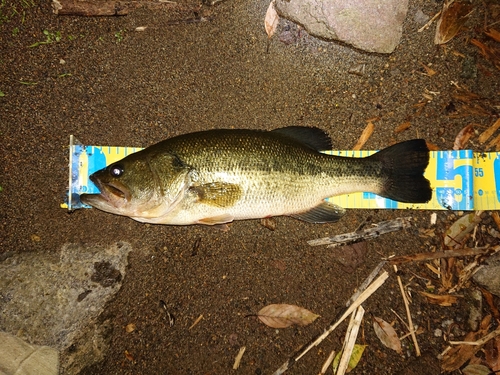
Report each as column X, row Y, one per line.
column 54, row 299
column 20, row 358
column 488, row 276
column 370, row 25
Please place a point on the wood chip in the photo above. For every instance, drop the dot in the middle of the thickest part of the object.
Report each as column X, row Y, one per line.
column 365, row 135
column 484, row 136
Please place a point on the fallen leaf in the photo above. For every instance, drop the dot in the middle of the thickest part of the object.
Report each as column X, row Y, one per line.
column 129, row 356
column 283, row 315
column 386, row 334
column 453, row 17
column 494, row 142
column 357, row 352
column 493, row 34
column 457, row 356
column 484, row 136
column 491, row 354
column 432, row 146
column 476, row 370
column 130, row 328
column 268, row 222
column 463, row 137
column 271, row 20
column 487, row 52
column 429, row 71
column 402, row 127
column 367, row 132
column 440, row 299
column 457, row 232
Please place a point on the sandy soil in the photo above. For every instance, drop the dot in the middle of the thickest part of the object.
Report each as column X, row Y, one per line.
column 110, row 85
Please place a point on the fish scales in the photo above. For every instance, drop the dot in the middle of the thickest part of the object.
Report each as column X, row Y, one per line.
column 217, row 176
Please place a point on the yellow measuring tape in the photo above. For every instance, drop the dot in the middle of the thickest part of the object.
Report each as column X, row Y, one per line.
column 461, row 180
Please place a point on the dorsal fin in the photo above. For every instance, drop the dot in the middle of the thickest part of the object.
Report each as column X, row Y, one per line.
column 314, row 138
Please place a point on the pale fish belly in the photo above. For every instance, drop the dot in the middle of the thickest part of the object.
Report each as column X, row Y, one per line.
column 265, row 194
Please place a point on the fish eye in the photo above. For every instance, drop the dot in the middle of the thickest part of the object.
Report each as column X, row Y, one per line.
column 116, row 170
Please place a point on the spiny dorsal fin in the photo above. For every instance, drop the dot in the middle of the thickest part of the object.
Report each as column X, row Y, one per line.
column 314, row 138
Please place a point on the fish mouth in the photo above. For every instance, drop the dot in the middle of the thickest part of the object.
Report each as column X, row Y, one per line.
column 112, row 195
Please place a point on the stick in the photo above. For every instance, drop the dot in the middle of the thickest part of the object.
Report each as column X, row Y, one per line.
column 350, row 339
column 327, row 363
column 408, row 314
column 479, row 342
column 363, row 296
column 365, row 234
column 237, row 360
column 430, row 22
column 422, row 257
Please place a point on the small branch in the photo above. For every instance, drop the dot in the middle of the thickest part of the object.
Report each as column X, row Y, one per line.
column 430, row 22
column 327, row 363
column 479, row 342
column 422, row 257
column 350, row 339
column 365, row 234
column 361, row 297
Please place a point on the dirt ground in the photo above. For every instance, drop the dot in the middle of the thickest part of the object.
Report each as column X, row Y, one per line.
column 108, row 84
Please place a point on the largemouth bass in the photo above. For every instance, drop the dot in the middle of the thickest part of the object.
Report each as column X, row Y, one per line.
column 217, row 176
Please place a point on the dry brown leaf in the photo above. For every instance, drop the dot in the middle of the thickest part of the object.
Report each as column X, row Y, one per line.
column 457, row 232
column 493, row 34
column 271, row 20
column 463, row 137
column 438, row 299
column 494, row 142
column 476, row 369
column 129, row 356
column 489, row 132
column 457, row 356
column 453, row 17
column 402, row 127
column 430, row 72
column 489, row 53
column 268, row 222
column 367, row 133
column 386, row 334
column 283, row 316
column 432, row 146
column 491, row 354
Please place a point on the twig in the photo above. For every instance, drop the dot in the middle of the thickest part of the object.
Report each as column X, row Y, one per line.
column 196, row 321
column 362, row 295
column 327, row 363
column 430, row 22
column 350, row 339
column 479, row 342
column 422, row 257
column 365, row 234
column 237, row 360
column 408, row 314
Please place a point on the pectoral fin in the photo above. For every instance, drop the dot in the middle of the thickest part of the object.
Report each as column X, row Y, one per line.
column 216, row 220
column 324, row 213
column 219, row 194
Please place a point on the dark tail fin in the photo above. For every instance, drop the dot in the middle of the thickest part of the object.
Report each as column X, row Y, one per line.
column 404, row 165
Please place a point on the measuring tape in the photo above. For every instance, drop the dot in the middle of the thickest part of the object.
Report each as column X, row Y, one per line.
column 461, row 180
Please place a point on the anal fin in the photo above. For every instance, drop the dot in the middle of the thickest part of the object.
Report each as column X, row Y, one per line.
column 326, row 212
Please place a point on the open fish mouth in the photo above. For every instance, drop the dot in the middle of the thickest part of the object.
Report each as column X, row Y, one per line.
column 112, row 195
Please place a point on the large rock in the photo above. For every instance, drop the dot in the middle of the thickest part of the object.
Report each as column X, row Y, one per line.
column 488, row 276
column 370, row 25
column 54, row 299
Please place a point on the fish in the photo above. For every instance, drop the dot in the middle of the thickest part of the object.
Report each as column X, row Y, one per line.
column 214, row 177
